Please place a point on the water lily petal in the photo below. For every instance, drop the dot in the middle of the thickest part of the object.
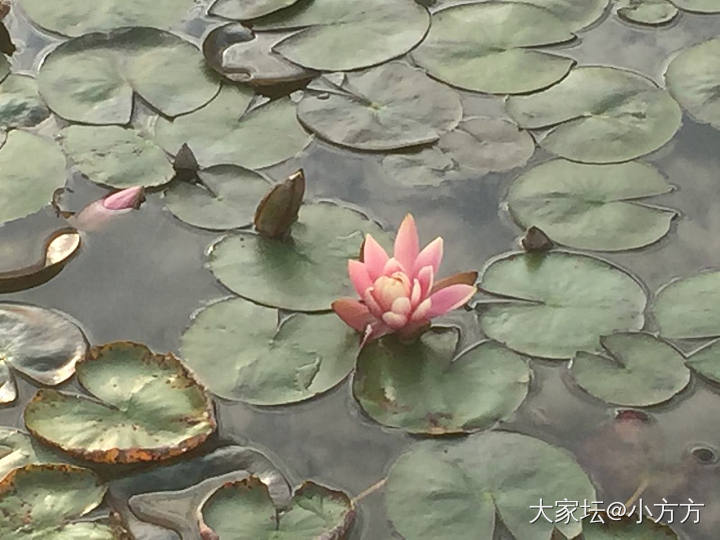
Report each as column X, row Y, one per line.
column 407, row 243
column 125, row 199
column 394, row 320
column 416, row 294
column 372, row 304
column 374, row 257
column 393, row 266
column 426, row 277
column 359, row 277
column 421, row 312
column 450, row 298
column 467, row 278
column 431, row 255
column 402, row 306
column 355, row 314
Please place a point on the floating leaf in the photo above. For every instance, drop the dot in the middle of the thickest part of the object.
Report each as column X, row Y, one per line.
column 576, row 13
column 501, row 59
column 693, row 77
column 626, row 529
column 92, row 78
column 341, row 35
column 40, row 343
column 555, row 304
column 428, row 167
column 148, row 408
column 77, row 17
column 240, row 352
column 698, row 6
column 592, row 206
column 635, row 370
column 225, row 198
column 651, row 12
column 689, row 308
column 383, row 108
column 705, row 361
column 601, row 115
column 243, row 510
column 299, row 274
column 43, row 501
column 455, row 489
column 20, row 103
column 243, row 10
column 116, row 156
column 220, row 133
column 31, row 169
column 18, row 449
column 422, row 388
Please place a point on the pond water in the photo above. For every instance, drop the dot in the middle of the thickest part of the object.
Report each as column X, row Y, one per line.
column 142, row 278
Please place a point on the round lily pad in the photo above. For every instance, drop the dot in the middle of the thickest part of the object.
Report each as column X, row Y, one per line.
column 600, row 115
column 705, row 361
column 576, row 13
column 341, row 35
column 18, row 449
column 650, row 12
column 693, row 77
column 698, row 6
column 422, row 388
column 20, row 103
column 116, row 156
column 224, row 198
column 243, row 510
column 147, row 408
column 635, row 370
column 592, row 206
column 31, row 169
column 502, row 59
column 689, row 308
column 43, row 501
column 240, row 352
column 92, row 78
column 77, row 17
column 304, row 273
column 455, row 490
column 243, row 10
column 222, row 132
column 557, row 303
column 383, row 108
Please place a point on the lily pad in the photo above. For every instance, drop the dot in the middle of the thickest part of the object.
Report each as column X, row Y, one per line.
column 423, row 388
column 342, row 35
column 240, row 352
column 501, row 59
column 576, row 13
column 383, row 108
column 244, row 511
column 31, row 169
column 693, row 77
column 92, row 78
column 635, row 370
column 455, row 490
column 650, row 12
column 600, row 115
column 626, row 529
column 40, row 343
column 18, row 449
column 225, row 198
column 705, row 361
column 20, row 103
column 147, row 408
column 115, row 156
column 689, row 308
column 223, row 132
column 592, row 206
column 77, row 17
column 698, row 6
column 43, row 501
column 557, row 303
column 299, row 274
column 244, row 10
column 427, row 167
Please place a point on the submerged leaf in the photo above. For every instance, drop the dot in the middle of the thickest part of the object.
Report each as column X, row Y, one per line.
column 278, row 210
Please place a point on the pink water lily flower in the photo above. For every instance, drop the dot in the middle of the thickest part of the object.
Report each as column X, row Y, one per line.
column 399, row 294
column 97, row 213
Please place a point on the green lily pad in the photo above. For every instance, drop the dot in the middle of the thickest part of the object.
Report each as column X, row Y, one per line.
column 244, row 10
column 225, row 198
column 592, row 206
column 650, row 12
column 305, row 273
column 116, row 156
column 627, row 529
column 43, row 501
column 222, row 132
column 698, row 6
column 92, row 78
column 147, row 408
column 555, row 304
column 689, row 308
column 31, row 169
column 423, row 388
column 635, row 370
column 244, row 511
column 18, row 449
column 240, row 352
column 576, row 13
column 600, row 115
column 383, row 108
column 342, row 35
column 501, row 59
column 40, row 343
column 705, row 361
column 455, row 489
column 20, row 103
column 693, row 77
column 77, row 17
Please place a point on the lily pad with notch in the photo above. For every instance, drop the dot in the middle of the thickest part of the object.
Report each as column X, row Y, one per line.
column 578, row 14
column 688, row 308
column 649, row 12
column 18, row 449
